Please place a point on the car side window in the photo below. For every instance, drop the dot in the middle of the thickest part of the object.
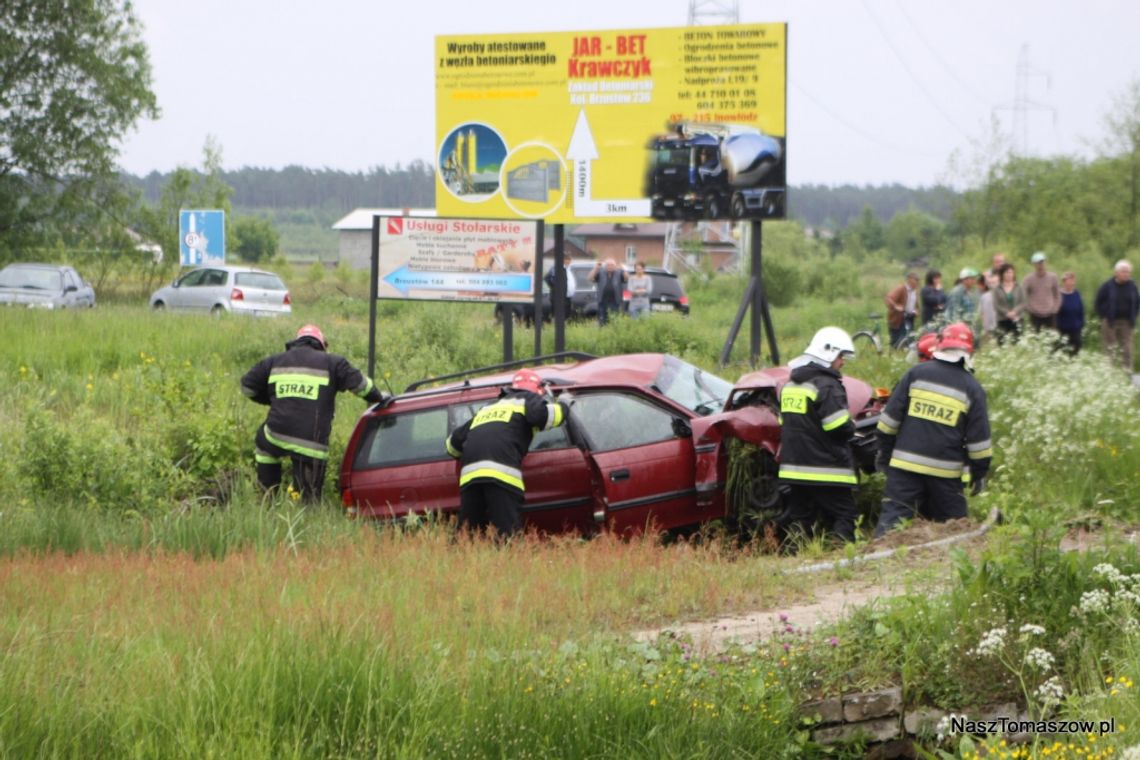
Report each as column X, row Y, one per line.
column 214, row 277
column 555, row 438
column 192, row 279
column 619, row 420
column 404, row 438
column 69, row 280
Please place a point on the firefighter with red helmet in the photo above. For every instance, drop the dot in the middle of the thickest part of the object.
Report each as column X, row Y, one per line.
column 490, row 448
column 299, row 386
column 926, row 345
column 934, row 432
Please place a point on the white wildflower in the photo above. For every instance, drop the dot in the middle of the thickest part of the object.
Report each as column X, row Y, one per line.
column 1029, row 629
column 1051, row 692
column 1131, row 753
column 1114, row 576
column 1124, row 595
column 1039, row 658
column 1096, row 600
column 945, row 726
column 991, row 642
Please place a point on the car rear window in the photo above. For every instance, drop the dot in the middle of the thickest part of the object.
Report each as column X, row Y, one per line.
column 263, row 280
column 665, row 285
column 404, row 438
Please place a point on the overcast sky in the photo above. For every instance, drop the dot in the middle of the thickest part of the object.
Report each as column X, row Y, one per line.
column 879, row 91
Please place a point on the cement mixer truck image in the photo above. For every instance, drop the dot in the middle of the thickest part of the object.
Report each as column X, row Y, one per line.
column 716, row 171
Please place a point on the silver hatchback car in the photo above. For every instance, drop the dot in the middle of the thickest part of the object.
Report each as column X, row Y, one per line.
column 220, row 289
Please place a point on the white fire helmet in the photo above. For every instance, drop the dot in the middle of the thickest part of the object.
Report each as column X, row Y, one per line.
column 829, row 343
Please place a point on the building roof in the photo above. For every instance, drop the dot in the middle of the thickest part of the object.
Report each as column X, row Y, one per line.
column 650, row 230
column 361, row 218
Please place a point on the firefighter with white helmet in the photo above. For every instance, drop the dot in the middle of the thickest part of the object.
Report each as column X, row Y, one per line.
column 934, row 434
column 490, row 448
column 300, row 387
column 817, row 467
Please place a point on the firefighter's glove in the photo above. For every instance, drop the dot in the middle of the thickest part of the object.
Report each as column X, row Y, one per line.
column 977, row 486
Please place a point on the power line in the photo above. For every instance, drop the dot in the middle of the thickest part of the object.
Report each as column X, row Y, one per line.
column 934, row 54
column 933, row 101
column 870, row 137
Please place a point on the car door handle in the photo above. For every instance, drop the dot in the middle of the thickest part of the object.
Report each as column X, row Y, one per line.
column 616, row 475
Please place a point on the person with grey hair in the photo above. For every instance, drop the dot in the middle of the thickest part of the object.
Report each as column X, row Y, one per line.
column 609, row 280
column 1117, row 303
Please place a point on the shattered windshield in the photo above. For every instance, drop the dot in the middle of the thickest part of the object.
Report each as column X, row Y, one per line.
column 691, row 387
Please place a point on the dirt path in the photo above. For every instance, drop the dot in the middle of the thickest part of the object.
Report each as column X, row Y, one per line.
column 833, row 600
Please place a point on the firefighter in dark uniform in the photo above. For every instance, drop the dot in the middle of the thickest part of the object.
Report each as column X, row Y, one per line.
column 490, row 448
column 300, row 387
column 934, row 434
column 817, row 468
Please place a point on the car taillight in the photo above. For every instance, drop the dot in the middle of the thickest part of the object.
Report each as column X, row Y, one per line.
column 237, row 295
column 346, row 497
column 684, row 300
column 288, row 301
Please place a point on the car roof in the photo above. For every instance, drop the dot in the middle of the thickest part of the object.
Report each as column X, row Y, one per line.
column 32, row 265
column 228, row 268
column 636, row 370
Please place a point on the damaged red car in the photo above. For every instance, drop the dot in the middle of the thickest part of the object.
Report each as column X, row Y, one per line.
column 645, row 446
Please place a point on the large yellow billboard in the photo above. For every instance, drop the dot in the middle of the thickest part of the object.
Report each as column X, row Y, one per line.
column 623, row 125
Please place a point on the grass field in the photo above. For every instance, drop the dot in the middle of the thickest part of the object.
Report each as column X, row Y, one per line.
column 152, row 604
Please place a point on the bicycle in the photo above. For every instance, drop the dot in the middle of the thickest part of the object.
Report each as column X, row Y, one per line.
column 870, row 339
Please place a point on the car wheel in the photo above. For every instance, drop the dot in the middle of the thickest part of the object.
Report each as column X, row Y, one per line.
column 755, row 500
column 158, row 306
column 218, row 310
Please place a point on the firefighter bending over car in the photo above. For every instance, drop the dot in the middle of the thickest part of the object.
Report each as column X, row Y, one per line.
column 816, row 462
column 300, row 387
column 934, row 433
column 490, row 448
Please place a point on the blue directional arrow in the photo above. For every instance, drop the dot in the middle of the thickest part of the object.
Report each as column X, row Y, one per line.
column 405, row 279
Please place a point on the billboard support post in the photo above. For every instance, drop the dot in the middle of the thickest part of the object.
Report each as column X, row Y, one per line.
column 558, row 297
column 755, row 298
column 373, row 285
column 539, row 245
column 508, row 313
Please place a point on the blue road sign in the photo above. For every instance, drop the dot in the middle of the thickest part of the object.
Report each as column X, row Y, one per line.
column 202, row 237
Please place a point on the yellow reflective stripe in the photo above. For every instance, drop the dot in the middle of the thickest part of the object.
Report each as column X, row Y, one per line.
column 833, row 421
column 451, row 450
column 883, row 427
column 817, row 478
column 983, row 454
column 924, row 469
column 364, row 389
column 266, row 459
column 487, row 472
column 817, row 474
column 296, row 445
column 935, row 407
column 553, row 415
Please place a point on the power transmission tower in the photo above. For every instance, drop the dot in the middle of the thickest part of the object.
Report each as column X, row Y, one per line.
column 713, row 12
column 701, row 13
column 1023, row 103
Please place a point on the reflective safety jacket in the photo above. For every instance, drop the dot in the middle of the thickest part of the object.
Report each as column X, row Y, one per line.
column 491, row 445
column 300, row 387
column 816, row 427
column 936, row 423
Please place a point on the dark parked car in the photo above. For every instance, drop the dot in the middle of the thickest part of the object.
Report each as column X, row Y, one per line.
column 524, row 312
column 45, row 286
column 645, row 445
